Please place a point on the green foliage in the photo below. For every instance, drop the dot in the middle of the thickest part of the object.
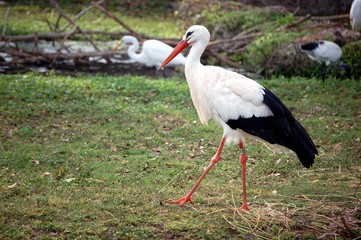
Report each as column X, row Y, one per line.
column 260, row 50
column 352, row 56
column 283, row 20
column 96, row 156
column 231, row 18
column 135, row 7
column 233, row 21
column 25, row 19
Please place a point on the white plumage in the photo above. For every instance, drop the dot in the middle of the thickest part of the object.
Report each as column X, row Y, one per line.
column 241, row 106
column 323, row 51
column 153, row 52
column 355, row 15
column 326, row 53
column 221, row 100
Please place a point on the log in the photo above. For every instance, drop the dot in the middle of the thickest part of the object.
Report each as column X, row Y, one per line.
column 50, row 57
column 53, row 36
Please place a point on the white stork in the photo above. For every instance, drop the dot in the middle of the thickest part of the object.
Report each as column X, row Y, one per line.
column 355, row 15
column 153, row 53
column 241, row 106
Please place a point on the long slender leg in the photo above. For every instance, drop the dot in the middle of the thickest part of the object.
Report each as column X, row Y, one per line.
column 214, row 160
column 243, row 161
column 323, row 71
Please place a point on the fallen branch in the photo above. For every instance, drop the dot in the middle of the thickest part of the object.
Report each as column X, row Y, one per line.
column 328, row 18
column 52, row 57
column 347, row 227
column 5, row 20
column 224, row 59
column 247, row 38
column 58, row 36
column 291, row 25
column 131, row 31
column 76, row 27
column 319, row 26
column 79, row 15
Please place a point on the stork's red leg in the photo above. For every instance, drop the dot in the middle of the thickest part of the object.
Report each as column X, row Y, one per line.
column 214, row 160
column 243, row 161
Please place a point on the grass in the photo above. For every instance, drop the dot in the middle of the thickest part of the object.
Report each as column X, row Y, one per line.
column 28, row 19
column 97, row 156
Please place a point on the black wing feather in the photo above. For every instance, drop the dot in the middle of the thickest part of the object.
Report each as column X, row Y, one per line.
column 281, row 128
column 311, row 45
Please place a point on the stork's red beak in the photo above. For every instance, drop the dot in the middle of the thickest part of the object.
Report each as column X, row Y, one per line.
column 179, row 48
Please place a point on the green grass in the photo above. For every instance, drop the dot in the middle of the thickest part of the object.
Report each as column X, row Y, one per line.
column 25, row 19
column 97, row 156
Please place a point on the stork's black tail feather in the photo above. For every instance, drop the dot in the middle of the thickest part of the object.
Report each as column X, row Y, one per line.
column 303, row 145
column 281, row 128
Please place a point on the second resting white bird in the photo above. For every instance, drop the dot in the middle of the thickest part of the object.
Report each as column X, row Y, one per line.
column 153, row 53
column 241, row 106
column 355, row 15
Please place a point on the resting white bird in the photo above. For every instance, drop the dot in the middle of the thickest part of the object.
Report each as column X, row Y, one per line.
column 326, row 53
column 153, row 52
column 241, row 106
column 355, row 15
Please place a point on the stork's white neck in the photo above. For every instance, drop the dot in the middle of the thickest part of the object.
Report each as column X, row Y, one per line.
column 194, row 56
column 194, row 71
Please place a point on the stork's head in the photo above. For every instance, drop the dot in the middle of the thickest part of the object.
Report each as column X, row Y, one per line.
column 196, row 34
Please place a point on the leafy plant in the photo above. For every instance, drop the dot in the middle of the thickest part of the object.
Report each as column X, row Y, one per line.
column 233, row 21
column 351, row 56
column 260, row 50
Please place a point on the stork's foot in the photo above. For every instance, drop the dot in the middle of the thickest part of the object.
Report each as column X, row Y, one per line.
column 180, row 201
column 244, row 207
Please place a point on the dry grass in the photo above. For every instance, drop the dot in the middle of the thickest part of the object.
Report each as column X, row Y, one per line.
column 315, row 220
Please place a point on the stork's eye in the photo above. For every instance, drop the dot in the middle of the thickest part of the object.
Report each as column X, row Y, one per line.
column 189, row 33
